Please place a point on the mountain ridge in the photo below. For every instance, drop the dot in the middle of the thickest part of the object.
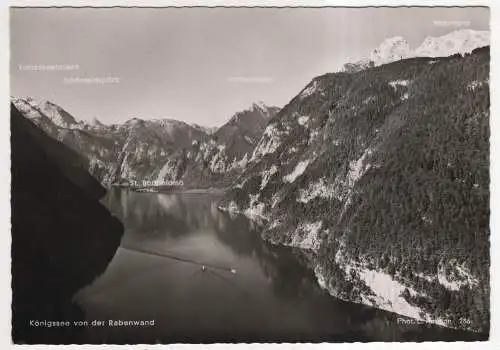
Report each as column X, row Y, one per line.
column 462, row 41
column 155, row 149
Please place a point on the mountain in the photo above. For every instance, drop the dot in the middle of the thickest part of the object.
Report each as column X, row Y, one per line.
column 218, row 160
column 120, row 151
column 62, row 237
column 91, row 142
column 145, row 145
column 155, row 149
column 461, row 42
column 244, row 129
column 391, row 50
column 40, row 110
column 383, row 177
column 69, row 162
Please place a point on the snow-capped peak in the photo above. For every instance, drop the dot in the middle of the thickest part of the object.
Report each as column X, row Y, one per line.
column 390, row 50
column 460, row 41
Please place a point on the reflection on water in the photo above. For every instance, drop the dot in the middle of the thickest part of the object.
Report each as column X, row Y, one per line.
column 157, row 275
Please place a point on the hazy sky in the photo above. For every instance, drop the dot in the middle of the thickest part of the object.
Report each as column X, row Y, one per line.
column 201, row 65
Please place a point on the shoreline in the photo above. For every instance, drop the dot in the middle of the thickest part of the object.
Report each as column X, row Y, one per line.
column 154, row 189
column 406, row 319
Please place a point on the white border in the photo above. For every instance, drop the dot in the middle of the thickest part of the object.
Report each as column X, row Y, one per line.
column 246, row 3
column 494, row 165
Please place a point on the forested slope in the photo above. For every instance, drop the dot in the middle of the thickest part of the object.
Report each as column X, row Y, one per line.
column 384, row 175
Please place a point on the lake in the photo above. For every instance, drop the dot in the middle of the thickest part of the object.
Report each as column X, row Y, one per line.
column 199, row 275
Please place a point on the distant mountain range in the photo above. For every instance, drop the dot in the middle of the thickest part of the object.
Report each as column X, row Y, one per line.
column 154, row 149
column 392, row 49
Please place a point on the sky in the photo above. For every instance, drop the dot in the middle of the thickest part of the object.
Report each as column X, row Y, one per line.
column 199, row 65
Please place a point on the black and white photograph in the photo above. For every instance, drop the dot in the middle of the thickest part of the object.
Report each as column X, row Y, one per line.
column 202, row 175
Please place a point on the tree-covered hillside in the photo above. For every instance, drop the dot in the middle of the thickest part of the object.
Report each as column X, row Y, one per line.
column 384, row 173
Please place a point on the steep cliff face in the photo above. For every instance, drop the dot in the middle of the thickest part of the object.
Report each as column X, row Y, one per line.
column 242, row 132
column 384, row 175
column 62, row 237
column 145, row 145
column 218, row 160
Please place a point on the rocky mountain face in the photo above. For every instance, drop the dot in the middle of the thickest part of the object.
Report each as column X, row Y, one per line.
column 89, row 140
column 155, row 150
column 62, row 237
column 241, row 133
column 218, row 160
column 397, row 48
column 43, row 112
column 358, row 66
column 383, row 176
column 144, row 146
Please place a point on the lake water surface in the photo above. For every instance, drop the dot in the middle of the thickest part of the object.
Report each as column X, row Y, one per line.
column 157, row 275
